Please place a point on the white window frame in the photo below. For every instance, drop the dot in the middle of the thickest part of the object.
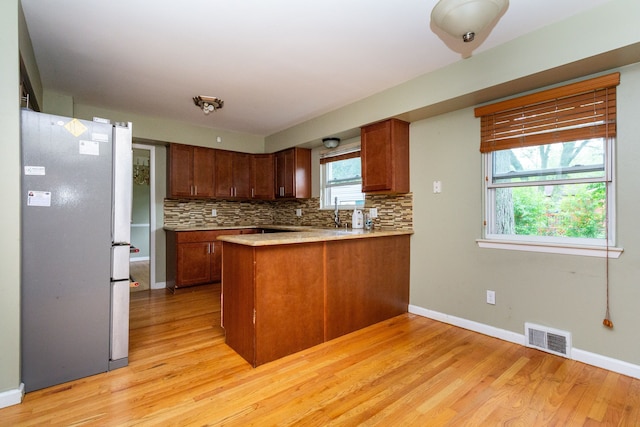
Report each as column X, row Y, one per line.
column 549, row 244
column 330, row 204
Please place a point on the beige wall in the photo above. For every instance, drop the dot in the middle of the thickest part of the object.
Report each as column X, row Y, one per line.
column 450, row 274
column 547, row 56
column 163, row 130
column 10, row 212
column 28, row 58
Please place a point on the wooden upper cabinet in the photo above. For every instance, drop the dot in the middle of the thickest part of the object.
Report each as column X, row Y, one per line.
column 203, row 161
column 385, row 157
column 190, row 171
column 199, row 172
column 242, row 175
column 180, row 167
column 293, row 173
column 232, row 174
column 262, row 177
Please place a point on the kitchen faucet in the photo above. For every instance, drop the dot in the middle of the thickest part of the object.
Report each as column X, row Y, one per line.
column 336, row 217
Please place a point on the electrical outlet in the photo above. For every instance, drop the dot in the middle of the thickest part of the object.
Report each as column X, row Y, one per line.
column 491, row 297
column 373, row 213
column 214, row 212
column 437, row 187
column 298, row 212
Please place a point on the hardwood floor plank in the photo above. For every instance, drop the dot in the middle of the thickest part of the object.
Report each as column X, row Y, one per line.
column 408, row 370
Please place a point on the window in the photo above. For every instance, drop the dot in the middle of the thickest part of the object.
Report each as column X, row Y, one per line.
column 548, row 163
column 341, row 178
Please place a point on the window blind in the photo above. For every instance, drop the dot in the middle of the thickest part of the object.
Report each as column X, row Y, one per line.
column 348, row 151
column 577, row 111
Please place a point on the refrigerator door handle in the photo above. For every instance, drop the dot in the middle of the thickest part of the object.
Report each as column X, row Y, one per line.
column 120, row 262
column 122, row 184
column 119, row 348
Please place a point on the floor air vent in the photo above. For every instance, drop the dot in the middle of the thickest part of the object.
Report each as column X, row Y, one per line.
column 548, row 339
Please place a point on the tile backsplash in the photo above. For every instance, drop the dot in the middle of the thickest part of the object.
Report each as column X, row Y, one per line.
column 394, row 211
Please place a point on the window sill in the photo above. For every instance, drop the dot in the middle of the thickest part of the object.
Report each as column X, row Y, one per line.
column 592, row 251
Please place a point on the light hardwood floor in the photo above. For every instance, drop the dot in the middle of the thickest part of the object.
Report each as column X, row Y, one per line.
column 139, row 271
column 403, row 372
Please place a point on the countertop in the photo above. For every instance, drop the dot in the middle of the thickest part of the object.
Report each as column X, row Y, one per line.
column 292, row 234
column 309, row 235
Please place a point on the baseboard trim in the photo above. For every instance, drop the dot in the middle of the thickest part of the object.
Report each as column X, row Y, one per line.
column 594, row 359
column 12, row 397
column 159, row 285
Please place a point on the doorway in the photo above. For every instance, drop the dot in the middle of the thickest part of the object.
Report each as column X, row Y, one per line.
column 143, row 218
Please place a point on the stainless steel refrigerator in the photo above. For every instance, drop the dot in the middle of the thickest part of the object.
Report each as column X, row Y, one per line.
column 76, row 210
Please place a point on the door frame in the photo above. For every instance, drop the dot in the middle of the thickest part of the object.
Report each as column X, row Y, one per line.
column 152, row 213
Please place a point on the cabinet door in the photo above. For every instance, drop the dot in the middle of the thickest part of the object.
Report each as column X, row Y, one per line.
column 284, row 173
column 242, row 175
column 302, row 173
column 293, row 173
column 224, row 174
column 376, row 157
column 262, row 177
column 180, row 170
column 385, row 157
column 194, row 263
column 203, row 164
column 216, row 261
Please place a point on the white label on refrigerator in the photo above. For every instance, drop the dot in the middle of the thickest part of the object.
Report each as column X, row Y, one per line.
column 39, row 198
column 91, row 148
column 34, row 170
column 100, row 137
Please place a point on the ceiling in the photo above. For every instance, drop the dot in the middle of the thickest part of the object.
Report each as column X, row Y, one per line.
column 274, row 63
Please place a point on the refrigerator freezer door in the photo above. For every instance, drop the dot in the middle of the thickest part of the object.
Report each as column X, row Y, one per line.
column 122, row 184
column 119, row 350
column 120, row 262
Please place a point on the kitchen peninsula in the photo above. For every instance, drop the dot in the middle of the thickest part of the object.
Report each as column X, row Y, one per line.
column 285, row 292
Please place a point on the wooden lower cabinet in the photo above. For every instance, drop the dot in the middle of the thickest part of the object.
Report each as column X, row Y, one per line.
column 272, row 299
column 281, row 299
column 367, row 282
column 193, row 263
column 194, row 257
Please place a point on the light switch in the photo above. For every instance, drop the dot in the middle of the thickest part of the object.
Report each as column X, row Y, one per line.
column 298, row 212
column 214, row 212
column 373, row 213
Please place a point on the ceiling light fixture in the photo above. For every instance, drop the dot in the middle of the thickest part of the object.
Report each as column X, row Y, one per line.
column 331, row 142
column 208, row 103
column 466, row 18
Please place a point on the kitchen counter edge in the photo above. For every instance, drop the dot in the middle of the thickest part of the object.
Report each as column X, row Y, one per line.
column 310, row 235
